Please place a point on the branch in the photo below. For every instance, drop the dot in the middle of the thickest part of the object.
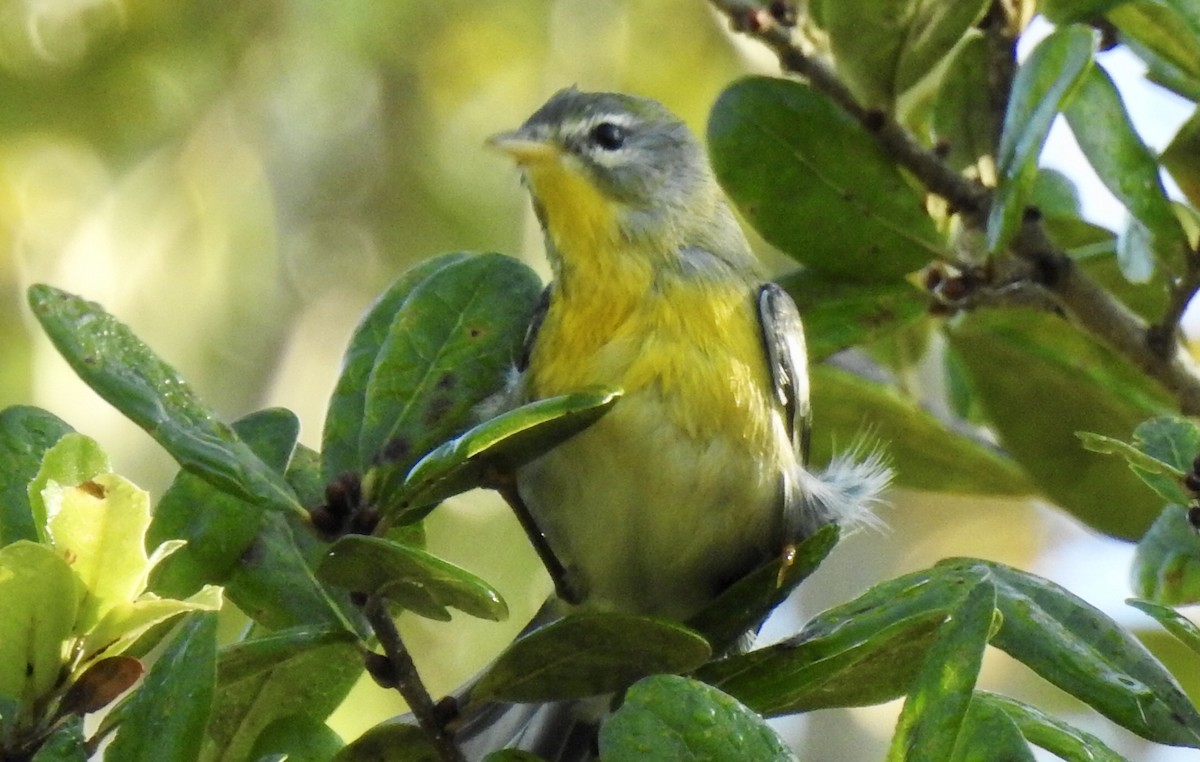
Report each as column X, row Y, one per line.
column 401, row 673
column 1153, row 349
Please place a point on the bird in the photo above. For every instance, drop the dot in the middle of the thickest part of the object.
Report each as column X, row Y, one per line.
column 699, row 473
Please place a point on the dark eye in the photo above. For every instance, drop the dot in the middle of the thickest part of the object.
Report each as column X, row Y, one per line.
column 609, row 136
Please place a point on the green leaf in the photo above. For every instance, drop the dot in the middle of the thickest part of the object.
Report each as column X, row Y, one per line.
column 1182, row 158
column 932, row 721
column 418, row 581
column 38, row 595
column 127, row 374
column 298, row 739
column 667, row 718
column 309, row 679
column 391, row 741
column 1050, row 733
column 1074, row 384
column 448, row 348
column 1042, row 87
column 884, row 52
column 1069, row 11
column 962, row 114
column 249, row 658
column 932, row 456
column 504, row 443
column 1130, row 170
column 1168, row 29
column 1085, row 653
column 66, row 744
column 26, row 433
column 344, row 417
column 589, row 654
column 512, row 755
column 840, row 314
column 126, row 622
column 1162, row 452
column 743, row 606
column 1166, row 565
column 988, row 734
column 863, row 652
column 74, row 459
column 164, row 719
column 1171, row 620
column 840, row 207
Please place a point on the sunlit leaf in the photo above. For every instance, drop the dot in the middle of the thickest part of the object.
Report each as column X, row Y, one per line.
column 840, row 207
column 1042, row 87
column 74, row 459
column 38, row 595
column 587, row 655
column 126, row 373
column 1168, row 29
column 667, row 717
column 126, row 622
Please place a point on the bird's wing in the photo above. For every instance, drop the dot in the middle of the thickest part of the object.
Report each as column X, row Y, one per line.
column 783, row 333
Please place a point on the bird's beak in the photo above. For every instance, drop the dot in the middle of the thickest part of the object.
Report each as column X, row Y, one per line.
column 520, row 146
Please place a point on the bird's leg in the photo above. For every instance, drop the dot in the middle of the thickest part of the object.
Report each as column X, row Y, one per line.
column 504, row 483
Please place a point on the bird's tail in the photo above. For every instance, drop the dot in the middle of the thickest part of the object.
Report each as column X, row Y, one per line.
column 847, row 491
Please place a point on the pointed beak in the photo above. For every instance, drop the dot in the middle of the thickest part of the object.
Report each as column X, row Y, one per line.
column 522, row 147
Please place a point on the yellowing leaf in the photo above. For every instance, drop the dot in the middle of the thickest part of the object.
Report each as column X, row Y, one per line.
column 38, row 600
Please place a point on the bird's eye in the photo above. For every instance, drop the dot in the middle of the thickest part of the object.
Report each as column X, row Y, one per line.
column 609, row 136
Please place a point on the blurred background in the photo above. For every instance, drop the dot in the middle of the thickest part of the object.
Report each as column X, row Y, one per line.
column 237, row 181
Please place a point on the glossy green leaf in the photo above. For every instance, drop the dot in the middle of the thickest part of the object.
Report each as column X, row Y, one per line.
column 297, row 738
column 1171, row 620
column 218, row 526
column 1168, row 29
column 988, row 734
column 26, row 433
column 127, row 374
column 503, row 443
column 410, row 577
column 344, row 417
column 863, row 652
column 447, row 349
column 309, row 680
column 1182, row 158
column 164, row 719
column 249, row 658
column 390, row 741
column 1163, row 450
column 1050, row 733
column 1130, row 170
column 1085, row 653
column 743, row 606
column 126, row 622
column 839, row 314
column 884, row 52
column 931, row 723
column 840, row 207
column 962, row 114
column 38, row 595
column 667, row 717
column 923, row 452
column 74, row 459
column 589, row 654
column 66, row 744
column 1042, row 87
column 1166, row 565
column 1056, row 381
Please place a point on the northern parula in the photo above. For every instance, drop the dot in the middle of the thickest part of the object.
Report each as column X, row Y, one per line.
column 698, row 473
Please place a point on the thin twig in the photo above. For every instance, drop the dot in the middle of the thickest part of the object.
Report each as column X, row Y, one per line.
column 408, row 682
column 1091, row 306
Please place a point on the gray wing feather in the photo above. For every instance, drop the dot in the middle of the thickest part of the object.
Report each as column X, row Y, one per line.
column 783, row 333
